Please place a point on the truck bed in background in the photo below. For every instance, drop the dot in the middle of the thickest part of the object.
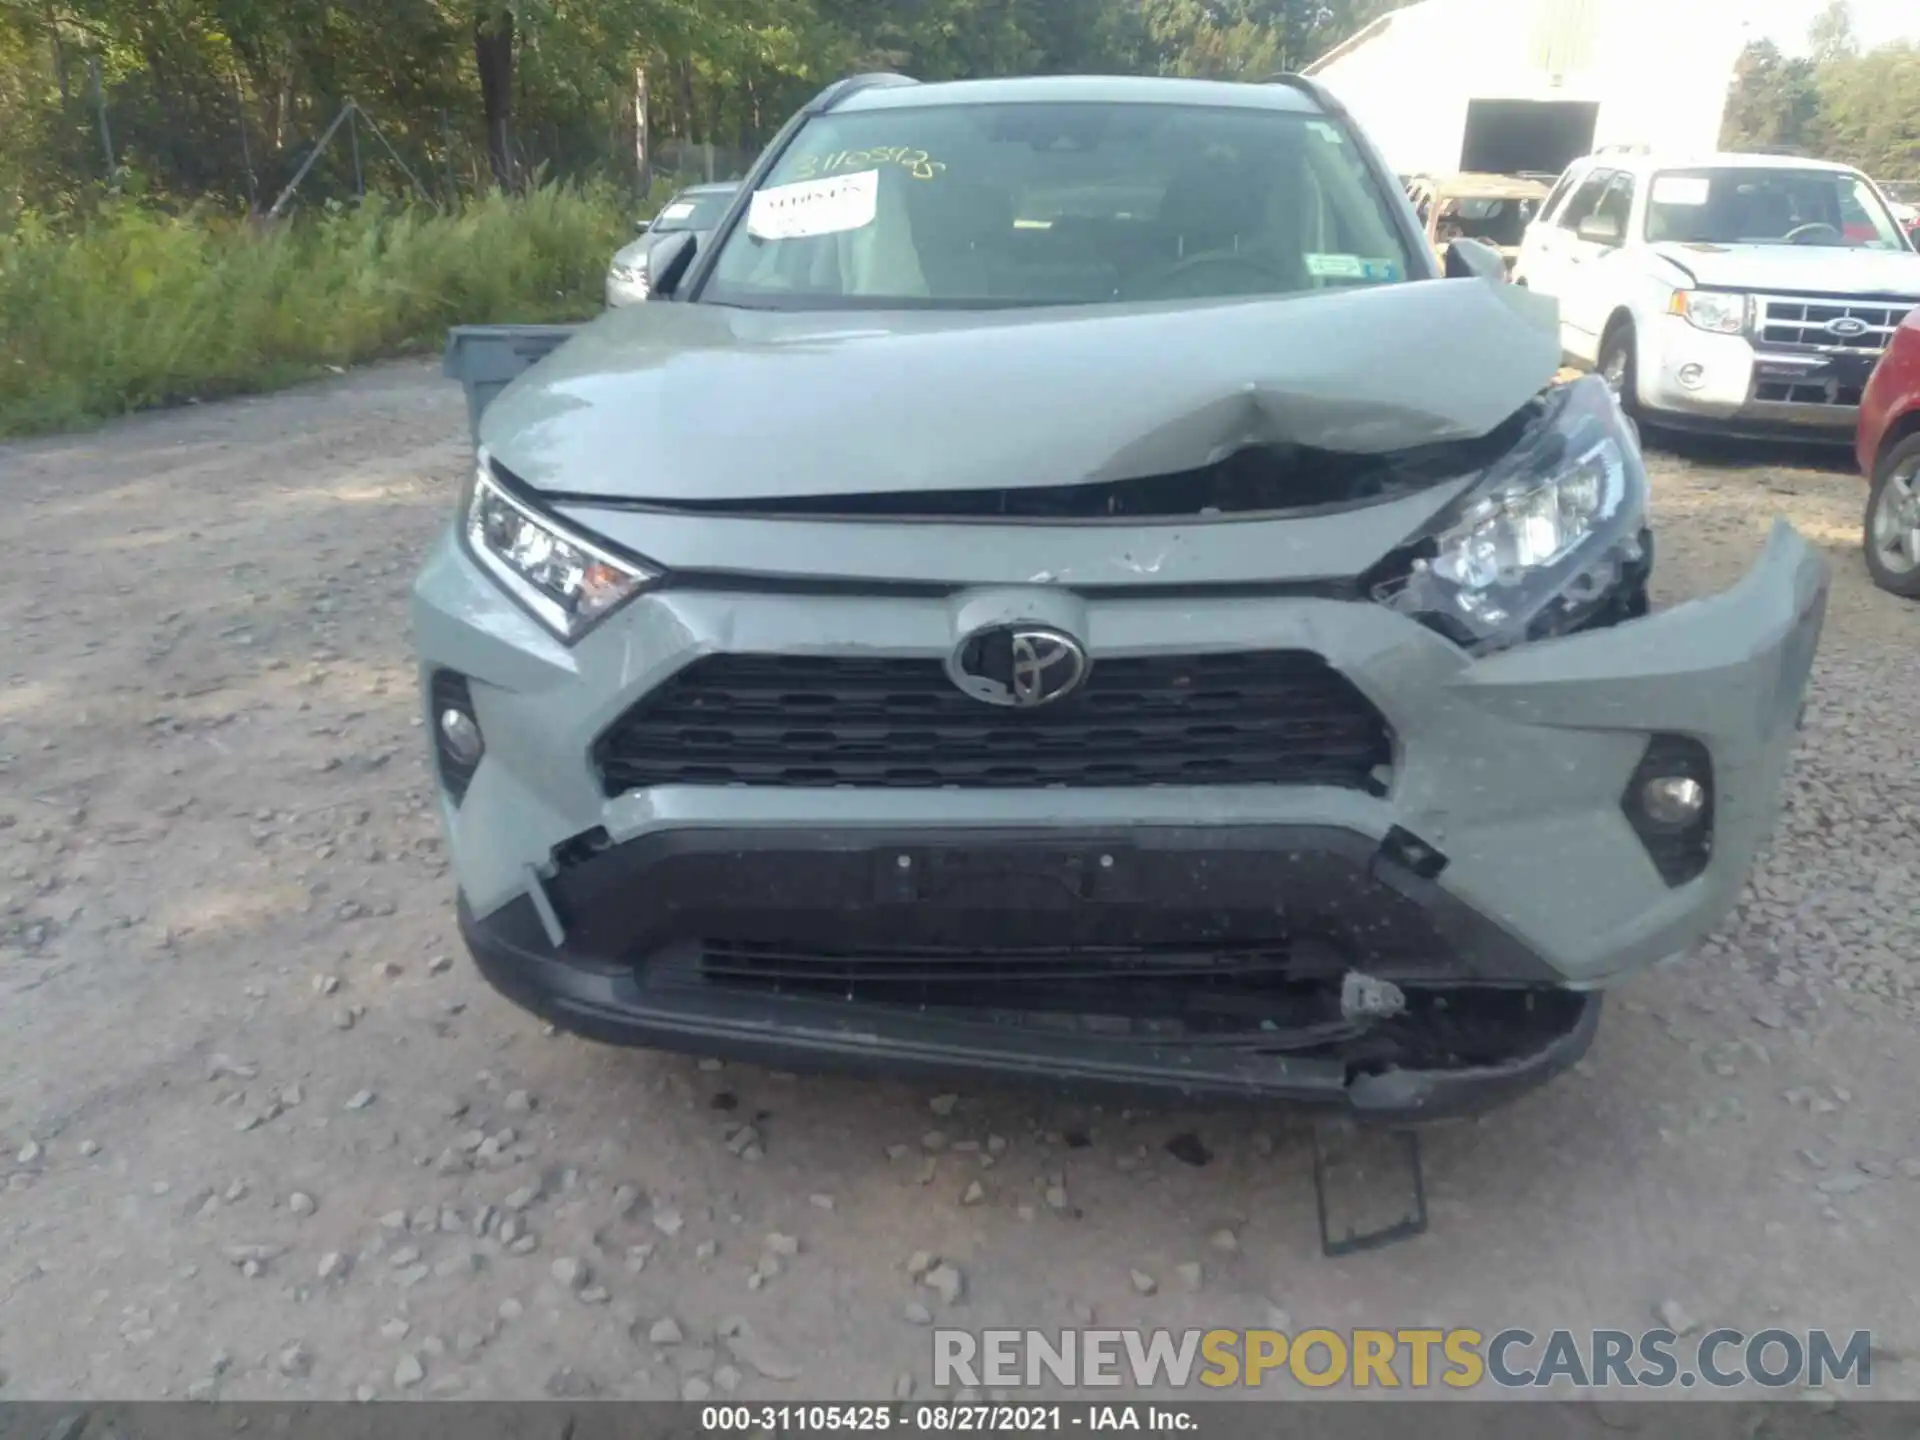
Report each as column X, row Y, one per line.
column 486, row 358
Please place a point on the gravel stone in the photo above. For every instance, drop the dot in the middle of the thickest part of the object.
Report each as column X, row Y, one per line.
column 1674, row 1317
column 1143, row 1282
column 780, row 1244
column 567, row 1383
column 360, row 1100
column 916, row 1313
column 761, row 1356
column 409, row 1372
column 696, row 1388
column 300, row 1203
column 942, row 1105
column 1847, row 1182
column 522, row 1198
column 945, row 1281
column 295, row 1361
column 569, row 1272
column 665, row 1331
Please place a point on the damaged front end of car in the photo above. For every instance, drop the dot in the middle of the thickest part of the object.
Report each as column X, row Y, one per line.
column 1365, row 765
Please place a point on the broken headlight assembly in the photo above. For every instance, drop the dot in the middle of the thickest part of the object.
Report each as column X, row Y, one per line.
column 568, row 582
column 1552, row 535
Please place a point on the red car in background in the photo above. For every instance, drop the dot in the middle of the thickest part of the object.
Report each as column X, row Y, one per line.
column 1887, row 445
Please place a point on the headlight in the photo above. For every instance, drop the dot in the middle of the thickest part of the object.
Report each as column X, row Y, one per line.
column 1713, row 310
column 1546, row 537
column 568, row 582
column 627, row 274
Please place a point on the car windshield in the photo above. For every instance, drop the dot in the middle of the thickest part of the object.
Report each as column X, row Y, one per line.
column 1765, row 206
column 1058, row 203
column 691, row 212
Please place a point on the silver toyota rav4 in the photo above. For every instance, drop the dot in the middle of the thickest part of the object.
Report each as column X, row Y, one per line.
column 1064, row 584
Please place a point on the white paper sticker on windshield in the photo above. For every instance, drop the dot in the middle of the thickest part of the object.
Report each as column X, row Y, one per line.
column 814, row 207
column 1335, row 267
column 1680, row 190
column 677, row 212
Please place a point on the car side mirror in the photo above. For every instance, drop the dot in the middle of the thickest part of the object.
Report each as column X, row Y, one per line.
column 667, row 261
column 1599, row 230
column 640, row 227
column 1474, row 260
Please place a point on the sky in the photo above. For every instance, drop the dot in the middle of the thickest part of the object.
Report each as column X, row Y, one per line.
column 1785, row 22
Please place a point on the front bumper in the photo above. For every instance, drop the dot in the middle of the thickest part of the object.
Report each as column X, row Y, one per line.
column 592, row 909
column 1694, row 379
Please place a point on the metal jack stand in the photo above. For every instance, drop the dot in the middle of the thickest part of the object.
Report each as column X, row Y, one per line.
column 1379, row 1148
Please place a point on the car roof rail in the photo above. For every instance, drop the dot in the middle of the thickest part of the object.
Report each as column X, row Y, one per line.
column 1310, row 88
column 853, row 84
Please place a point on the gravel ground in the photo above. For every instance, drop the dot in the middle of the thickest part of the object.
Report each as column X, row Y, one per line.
column 264, row 1133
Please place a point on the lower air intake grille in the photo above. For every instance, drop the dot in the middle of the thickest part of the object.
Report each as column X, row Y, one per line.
column 1265, row 717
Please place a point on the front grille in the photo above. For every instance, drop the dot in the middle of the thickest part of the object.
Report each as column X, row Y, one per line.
column 1807, row 392
column 1266, row 717
column 1118, row 990
column 1795, row 322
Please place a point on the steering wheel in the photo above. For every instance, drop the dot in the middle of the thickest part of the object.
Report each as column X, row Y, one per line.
column 1792, row 237
column 1170, row 283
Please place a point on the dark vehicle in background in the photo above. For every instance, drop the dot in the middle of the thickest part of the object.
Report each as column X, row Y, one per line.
column 1888, row 448
column 698, row 208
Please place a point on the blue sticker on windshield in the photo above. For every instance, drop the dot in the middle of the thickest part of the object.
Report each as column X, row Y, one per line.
column 1351, row 267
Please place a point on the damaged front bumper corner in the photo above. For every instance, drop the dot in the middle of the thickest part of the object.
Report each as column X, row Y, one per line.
column 1510, row 769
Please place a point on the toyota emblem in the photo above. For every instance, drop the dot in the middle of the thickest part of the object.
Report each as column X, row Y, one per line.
column 1019, row 665
column 1846, row 327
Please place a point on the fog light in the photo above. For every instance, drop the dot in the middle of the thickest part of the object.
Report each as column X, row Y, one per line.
column 1669, row 802
column 1673, row 801
column 1692, row 377
column 462, row 736
column 458, row 744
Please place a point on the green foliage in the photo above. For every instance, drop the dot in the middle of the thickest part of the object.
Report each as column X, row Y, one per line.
column 225, row 98
column 1774, row 103
column 1869, row 108
column 1840, row 103
column 130, row 308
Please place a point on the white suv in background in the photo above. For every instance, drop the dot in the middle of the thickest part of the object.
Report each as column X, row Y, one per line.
column 1747, row 293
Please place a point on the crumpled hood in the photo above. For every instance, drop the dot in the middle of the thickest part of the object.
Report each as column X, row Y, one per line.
column 679, row 402
column 1798, row 269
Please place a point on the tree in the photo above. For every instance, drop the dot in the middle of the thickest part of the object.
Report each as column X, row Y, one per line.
column 1773, row 104
column 1831, row 36
column 1869, row 111
column 493, row 60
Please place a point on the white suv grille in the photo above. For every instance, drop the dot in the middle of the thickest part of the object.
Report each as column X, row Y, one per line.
column 1797, row 322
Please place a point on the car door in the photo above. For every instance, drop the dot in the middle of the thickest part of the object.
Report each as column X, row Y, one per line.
column 1543, row 250
column 1596, row 279
column 1572, row 255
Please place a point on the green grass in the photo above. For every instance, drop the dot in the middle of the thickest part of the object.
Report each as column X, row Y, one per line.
column 130, row 308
